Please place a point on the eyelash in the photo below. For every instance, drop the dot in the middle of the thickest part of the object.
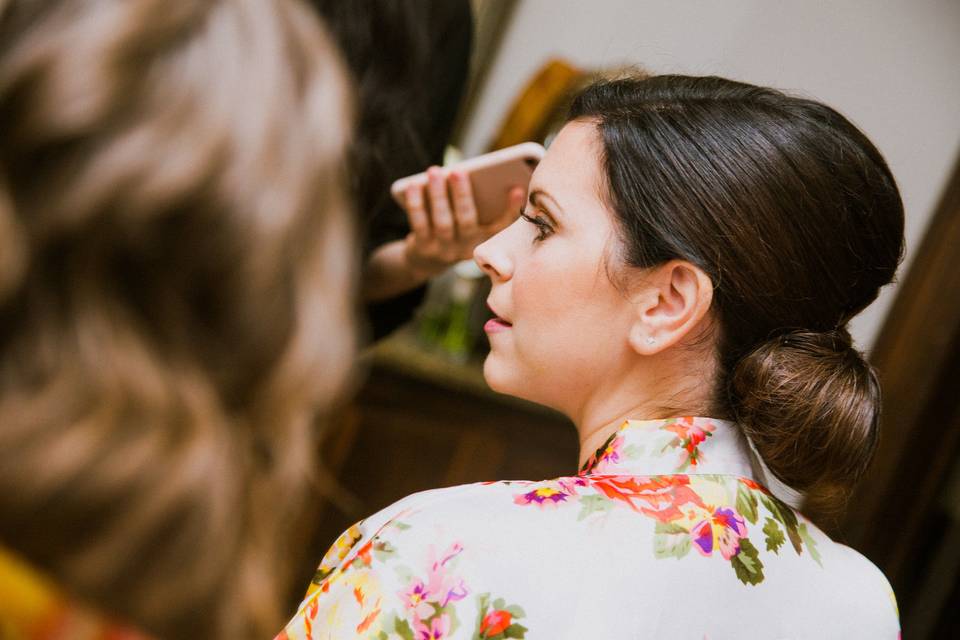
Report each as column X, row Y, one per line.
column 543, row 227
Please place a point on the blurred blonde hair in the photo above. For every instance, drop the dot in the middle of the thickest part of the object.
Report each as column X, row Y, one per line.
column 176, row 274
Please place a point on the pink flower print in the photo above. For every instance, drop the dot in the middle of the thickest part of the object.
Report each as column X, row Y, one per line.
column 455, row 549
column 415, row 599
column 438, row 629
column 609, row 455
column 453, row 592
column 572, row 484
column 608, row 452
column 722, row 530
column 542, row 496
column 443, row 588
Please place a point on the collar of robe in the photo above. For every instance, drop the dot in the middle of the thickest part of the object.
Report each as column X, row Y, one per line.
column 685, row 445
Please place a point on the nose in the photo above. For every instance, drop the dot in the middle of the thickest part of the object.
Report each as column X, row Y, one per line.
column 493, row 258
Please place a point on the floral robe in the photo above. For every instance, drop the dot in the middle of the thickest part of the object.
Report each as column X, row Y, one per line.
column 665, row 533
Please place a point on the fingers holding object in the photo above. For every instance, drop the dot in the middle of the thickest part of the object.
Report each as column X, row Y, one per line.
column 439, row 203
column 416, row 213
column 464, row 206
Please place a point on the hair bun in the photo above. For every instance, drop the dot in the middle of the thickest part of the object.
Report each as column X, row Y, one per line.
column 815, row 342
column 810, row 404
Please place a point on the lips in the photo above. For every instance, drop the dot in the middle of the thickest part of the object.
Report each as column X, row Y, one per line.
column 496, row 324
column 497, row 317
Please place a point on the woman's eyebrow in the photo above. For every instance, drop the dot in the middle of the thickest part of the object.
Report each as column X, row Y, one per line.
column 538, row 197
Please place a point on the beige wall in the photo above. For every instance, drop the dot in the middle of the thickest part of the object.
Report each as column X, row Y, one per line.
column 891, row 66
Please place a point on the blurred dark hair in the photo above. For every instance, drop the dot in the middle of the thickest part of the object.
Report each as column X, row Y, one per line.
column 797, row 220
column 176, row 266
column 407, row 95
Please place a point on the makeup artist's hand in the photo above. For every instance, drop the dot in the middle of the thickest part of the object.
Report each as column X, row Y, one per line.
column 444, row 230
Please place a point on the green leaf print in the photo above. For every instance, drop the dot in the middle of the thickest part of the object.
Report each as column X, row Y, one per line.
column 633, row 451
column 382, row 551
column 404, row 630
column 774, row 535
column 811, row 543
column 669, row 527
column 670, row 541
column 483, row 603
column 785, row 515
column 516, row 611
column 747, row 563
column 404, row 574
column 663, row 445
column 450, row 611
column 500, row 614
column 746, row 503
column 400, row 627
column 593, row 504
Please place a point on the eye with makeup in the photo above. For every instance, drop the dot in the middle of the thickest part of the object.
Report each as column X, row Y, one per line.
column 544, row 230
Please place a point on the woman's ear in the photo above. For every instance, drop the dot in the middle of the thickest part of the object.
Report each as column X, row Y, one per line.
column 673, row 299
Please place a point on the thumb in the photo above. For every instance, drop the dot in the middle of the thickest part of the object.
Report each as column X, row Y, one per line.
column 514, row 204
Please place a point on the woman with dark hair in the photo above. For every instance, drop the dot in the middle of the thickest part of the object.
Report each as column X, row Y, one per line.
column 679, row 285
column 176, row 275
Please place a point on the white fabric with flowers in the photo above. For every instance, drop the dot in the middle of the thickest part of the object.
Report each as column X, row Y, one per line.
column 665, row 533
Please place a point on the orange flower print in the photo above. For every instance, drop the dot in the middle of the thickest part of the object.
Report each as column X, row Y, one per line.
column 495, row 622
column 369, row 619
column 747, row 482
column 310, row 617
column 660, row 496
column 690, row 435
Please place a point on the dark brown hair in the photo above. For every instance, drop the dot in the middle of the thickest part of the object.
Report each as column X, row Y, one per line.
column 390, row 49
column 797, row 220
column 176, row 265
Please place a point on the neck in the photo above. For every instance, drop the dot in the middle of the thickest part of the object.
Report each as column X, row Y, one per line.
column 594, row 432
column 639, row 397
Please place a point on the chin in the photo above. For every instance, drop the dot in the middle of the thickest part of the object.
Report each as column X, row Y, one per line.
column 503, row 378
column 494, row 374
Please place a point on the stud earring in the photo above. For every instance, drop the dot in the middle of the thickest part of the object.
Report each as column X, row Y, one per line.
column 651, row 340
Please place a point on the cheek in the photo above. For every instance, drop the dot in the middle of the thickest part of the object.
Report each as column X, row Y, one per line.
column 554, row 289
column 569, row 316
column 524, row 361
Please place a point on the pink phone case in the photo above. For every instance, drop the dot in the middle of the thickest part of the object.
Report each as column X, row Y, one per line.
column 492, row 176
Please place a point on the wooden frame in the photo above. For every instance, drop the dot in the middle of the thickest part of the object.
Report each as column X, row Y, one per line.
column 918, row 357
